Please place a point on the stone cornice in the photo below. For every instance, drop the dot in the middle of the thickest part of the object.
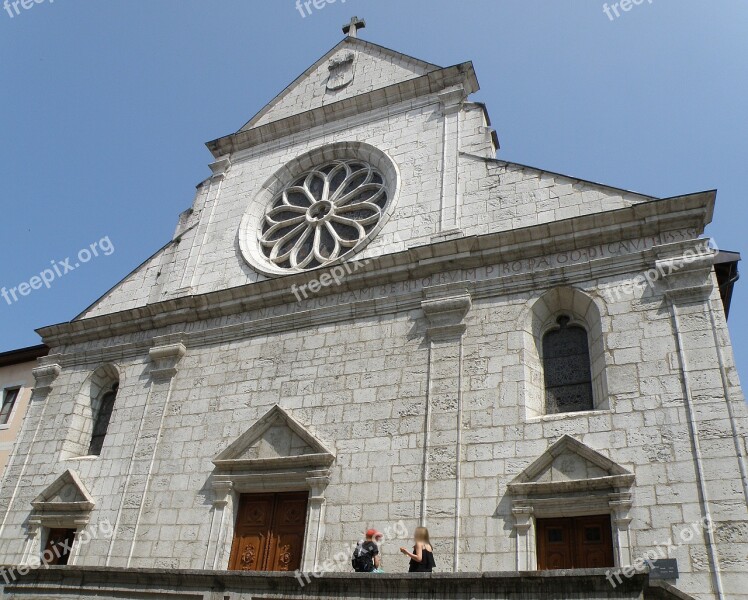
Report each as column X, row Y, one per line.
column 530, row 243
column 431, row 83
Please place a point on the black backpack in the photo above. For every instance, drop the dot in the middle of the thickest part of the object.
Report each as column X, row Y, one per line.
column 363, row 560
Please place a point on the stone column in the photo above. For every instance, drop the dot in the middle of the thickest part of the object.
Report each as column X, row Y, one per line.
column 222, row 491
column 164, row 360
column 620, row 504
column 445, row 308
column 523, row 527
column 33, row 543
column 315, row 520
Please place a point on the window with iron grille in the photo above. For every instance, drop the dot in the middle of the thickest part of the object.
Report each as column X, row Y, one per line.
column 101, row 423
column 566, row 365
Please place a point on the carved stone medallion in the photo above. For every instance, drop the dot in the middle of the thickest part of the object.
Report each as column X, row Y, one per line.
column 341, row 71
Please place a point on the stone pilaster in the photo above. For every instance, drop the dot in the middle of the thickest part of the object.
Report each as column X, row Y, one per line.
column 620, row 505
column 220, row 169
column 523, row 525
column 451, row 105
column 315, row 521
column 687, row 275
column 444, row 308
column 222, row 498
column 164, row 360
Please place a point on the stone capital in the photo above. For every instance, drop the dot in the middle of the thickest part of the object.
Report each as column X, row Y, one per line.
column 44, row 376
column 452, row 99
column 445, row 315
column 164, row 360
column 221, row 492
column 220, row 167
column 686, row 269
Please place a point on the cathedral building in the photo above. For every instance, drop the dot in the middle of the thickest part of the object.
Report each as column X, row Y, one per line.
column 367, row 320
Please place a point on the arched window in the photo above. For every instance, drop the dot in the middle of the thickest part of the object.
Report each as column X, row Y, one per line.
column 102, row 415
column 566, row 366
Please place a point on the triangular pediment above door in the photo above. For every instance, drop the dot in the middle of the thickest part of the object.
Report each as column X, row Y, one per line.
column 570, row 466
column 277, row 440
column 66, row 493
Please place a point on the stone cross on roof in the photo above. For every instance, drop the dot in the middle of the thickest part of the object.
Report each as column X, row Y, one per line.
column 352, row 28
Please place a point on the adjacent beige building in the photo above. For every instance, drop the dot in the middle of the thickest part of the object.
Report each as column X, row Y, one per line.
column 16, row 385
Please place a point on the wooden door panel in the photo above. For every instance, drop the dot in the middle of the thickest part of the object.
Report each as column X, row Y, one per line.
column 252, row 533
column 285, row 552
column 554, row 544
column 269, row 532
column 287, row 542
column 249, row 552
column 594, row 547
column 574, row 543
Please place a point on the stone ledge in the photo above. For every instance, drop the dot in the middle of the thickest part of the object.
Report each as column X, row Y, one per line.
column 106, row 582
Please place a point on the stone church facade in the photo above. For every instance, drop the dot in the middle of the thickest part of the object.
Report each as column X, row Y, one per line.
column 367, row 320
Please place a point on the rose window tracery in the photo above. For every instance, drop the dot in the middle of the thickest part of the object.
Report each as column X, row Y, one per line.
column 324, row 214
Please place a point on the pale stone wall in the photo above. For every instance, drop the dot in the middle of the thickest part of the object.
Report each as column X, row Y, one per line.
column 493, row 196
column 361, row 386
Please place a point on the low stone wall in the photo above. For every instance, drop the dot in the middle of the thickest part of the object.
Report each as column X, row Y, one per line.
column 57, row 583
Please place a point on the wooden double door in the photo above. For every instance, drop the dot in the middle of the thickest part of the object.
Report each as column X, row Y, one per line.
column 574, row 543
column 269, row 533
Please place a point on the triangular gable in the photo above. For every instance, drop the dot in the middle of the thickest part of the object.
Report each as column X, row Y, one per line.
column 569, row 465
column 67, row 493
column 277, row 440
column 373, row 67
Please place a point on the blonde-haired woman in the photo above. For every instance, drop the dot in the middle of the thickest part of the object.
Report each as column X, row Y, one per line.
column 422, row 557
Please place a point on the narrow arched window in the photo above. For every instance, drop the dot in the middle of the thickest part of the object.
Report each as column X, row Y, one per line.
column 566, row 364
column 102, row 416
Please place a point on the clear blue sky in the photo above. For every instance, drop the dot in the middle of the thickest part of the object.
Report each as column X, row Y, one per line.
column 105, row 107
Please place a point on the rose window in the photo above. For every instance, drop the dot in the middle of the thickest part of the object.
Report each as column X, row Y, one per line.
column 323, row 215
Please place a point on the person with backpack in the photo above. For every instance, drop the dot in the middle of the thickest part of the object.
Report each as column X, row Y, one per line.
column 366, row 557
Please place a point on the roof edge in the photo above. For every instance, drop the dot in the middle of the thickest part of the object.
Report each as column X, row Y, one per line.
column 23, row 355
column 428, row 84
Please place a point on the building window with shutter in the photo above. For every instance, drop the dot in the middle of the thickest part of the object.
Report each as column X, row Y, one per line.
column 566, row 367
column 9, row 401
